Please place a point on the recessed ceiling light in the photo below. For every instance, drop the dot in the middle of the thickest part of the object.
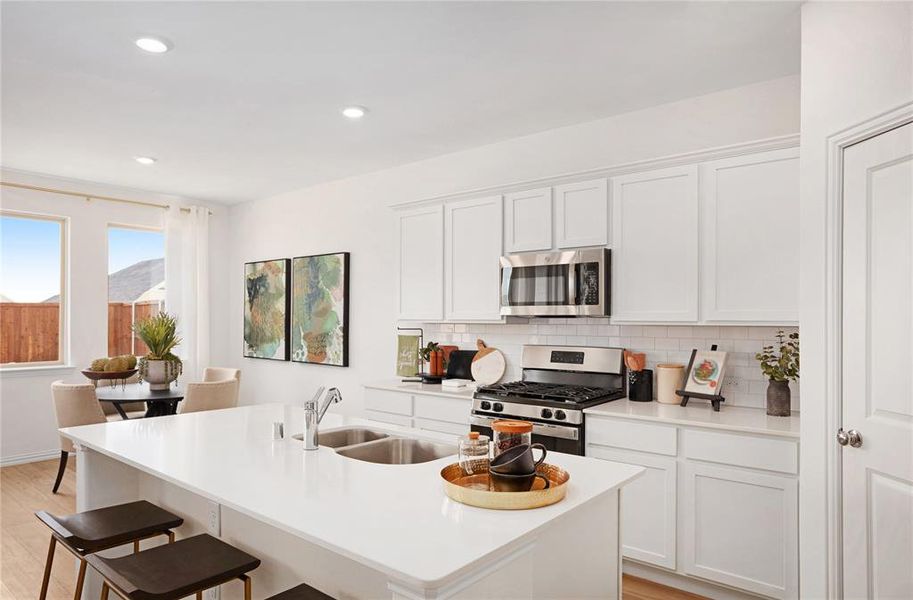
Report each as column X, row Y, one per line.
column 354, row 112
column 144, row 160
column 154, row 45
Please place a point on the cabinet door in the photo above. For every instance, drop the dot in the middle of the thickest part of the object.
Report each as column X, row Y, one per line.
column 528, row 220
column 647, row 507
column 655, row 246
column 582, row 214
column 750, row 221
column 421, row 263
column 741, row 528
column 472, row 247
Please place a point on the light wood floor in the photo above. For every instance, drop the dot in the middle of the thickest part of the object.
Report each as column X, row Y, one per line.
column 27, row 488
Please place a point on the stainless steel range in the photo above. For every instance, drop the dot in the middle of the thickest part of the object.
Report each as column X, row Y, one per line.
column 558, row 383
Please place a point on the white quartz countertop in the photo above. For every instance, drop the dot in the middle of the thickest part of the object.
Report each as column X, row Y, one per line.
column 432, row 389
column 700, row 414
column 393, row 518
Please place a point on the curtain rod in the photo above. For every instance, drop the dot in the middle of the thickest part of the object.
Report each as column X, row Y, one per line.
column 89, row 196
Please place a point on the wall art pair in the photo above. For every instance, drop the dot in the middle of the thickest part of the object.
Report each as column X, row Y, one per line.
column 298, row 309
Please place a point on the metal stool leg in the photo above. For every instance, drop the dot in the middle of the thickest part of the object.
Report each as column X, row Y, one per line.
column 247, row 586
column 80, row 579
column 104, row 590
column 47, row 569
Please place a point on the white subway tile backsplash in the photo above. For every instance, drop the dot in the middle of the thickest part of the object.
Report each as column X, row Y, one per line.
column 673, row 343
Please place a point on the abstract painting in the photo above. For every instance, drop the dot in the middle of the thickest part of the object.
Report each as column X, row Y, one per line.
column 320, row 309
column 266, row 302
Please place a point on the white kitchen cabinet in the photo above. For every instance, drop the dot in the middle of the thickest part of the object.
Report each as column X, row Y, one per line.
column 741, row 528
column 750, row 236
column 582, row 214
column 421, row 263
column 472, row 247
column 528, row 220
column 655, row 246
column 647, row 506
column 388, row 402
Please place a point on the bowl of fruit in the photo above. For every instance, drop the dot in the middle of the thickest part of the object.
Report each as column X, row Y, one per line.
column 117, row 369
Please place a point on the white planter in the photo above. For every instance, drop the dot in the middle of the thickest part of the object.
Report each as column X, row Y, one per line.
column 159, row 374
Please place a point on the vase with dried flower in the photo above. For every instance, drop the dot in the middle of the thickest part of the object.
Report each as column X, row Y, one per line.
column 780, row 364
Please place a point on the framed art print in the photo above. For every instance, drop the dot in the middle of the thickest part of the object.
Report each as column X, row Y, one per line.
column 705, row 373
column 266, row 309
column 320, row 309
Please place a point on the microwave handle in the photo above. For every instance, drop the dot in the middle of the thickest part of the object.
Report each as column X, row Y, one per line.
column 572, row 282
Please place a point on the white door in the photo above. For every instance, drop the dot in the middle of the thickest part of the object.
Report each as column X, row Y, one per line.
column 421, row 263
column 582, row 214
column 472, row 247
column 878, row 366
column 655, row 246
column 750, row 221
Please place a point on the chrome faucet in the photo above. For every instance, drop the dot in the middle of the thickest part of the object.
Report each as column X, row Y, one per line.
column 313, row 415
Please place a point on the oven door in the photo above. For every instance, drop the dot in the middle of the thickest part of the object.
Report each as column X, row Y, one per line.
column 572, row 283
column 555, row 438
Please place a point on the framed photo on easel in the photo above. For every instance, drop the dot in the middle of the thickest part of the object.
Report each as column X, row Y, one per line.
column 704, row 377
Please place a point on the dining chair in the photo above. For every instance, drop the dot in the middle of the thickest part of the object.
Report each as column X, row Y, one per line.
column 220, row 374
column 210, row 395
column 74, row 404
column 134, row 410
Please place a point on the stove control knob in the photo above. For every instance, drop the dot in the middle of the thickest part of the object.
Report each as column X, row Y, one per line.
column 546, row 413
column 559, row 414
column 485, row 405
column 498, row 407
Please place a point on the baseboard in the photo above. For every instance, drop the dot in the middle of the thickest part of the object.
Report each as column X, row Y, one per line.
column 19, row 459
column 684, row 582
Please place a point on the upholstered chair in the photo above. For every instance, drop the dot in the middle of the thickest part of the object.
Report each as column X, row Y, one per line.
column 75, row 404
column 210, row 395
column 220, row 374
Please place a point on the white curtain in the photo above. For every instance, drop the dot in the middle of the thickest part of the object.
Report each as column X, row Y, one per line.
column 187, row 284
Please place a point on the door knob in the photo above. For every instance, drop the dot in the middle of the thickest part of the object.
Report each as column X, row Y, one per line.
column 851, row 437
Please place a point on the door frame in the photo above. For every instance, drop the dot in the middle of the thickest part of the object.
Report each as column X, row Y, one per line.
column 833, row 400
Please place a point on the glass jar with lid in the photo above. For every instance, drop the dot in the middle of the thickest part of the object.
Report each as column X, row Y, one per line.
column 474, row 453
column 510, row 433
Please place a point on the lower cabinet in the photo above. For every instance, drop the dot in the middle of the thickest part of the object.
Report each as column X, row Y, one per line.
column 722, row 508
column 741, row 528
column 647, row 506
column 443, row 414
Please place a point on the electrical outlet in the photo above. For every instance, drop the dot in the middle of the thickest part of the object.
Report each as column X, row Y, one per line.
column 214, row 518
column 733, row 384
column 213, row 593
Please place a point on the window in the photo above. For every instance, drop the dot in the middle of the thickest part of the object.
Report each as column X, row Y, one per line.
column 136, row 284
column 32, row 294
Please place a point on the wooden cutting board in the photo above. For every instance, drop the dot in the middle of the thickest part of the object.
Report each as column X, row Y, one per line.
column 488, row 365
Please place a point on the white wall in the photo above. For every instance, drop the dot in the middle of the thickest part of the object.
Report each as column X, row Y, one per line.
column 351, row 215
column 26, row 411
column 857, row 63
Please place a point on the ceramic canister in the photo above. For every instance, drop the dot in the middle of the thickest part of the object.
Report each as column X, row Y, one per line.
column 668, row 379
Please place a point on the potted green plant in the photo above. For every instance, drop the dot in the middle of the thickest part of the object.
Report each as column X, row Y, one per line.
column 781, row 365
column 159, row 367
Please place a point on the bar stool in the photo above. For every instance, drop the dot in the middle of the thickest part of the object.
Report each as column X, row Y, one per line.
column 103, row 528
column 173, row 571
column 301, row 592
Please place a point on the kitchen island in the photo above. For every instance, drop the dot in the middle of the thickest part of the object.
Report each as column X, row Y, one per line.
column 350, row 528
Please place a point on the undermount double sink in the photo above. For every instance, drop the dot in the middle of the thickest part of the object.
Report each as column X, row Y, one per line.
column 379, row 447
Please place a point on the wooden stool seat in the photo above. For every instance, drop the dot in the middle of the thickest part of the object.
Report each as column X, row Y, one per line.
column 301, row 592
column 176, row 570
column 103, row 528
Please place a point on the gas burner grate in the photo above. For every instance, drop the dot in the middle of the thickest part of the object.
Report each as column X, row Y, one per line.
column 549, row 391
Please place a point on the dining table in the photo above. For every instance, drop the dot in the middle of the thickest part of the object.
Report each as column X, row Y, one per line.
column 158, row 402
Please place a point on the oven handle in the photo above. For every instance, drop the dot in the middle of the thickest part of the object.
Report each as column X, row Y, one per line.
column 544, row 429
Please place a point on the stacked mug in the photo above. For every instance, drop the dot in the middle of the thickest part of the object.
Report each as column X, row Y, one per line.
column 514, row 470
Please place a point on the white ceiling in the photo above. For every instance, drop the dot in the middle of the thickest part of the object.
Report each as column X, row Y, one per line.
column 247, row 103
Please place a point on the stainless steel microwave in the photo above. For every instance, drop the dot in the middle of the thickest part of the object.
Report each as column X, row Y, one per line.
column 571, row 283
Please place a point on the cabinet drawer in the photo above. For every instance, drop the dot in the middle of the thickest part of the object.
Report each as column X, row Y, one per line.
column 741, row 450
column 439, row 408
column 383, row 417
column 631, row 435
column 388, row 402
column 442, row 427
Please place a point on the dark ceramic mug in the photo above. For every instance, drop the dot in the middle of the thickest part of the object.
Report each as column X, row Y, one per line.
column 518, row 460
column 501, row 482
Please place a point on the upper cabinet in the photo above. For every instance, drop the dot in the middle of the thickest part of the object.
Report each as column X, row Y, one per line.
column 528, row 220
column 655, row 246
column 472, row 247
column 421, row 263
column 750, row 233
column 582, row 214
